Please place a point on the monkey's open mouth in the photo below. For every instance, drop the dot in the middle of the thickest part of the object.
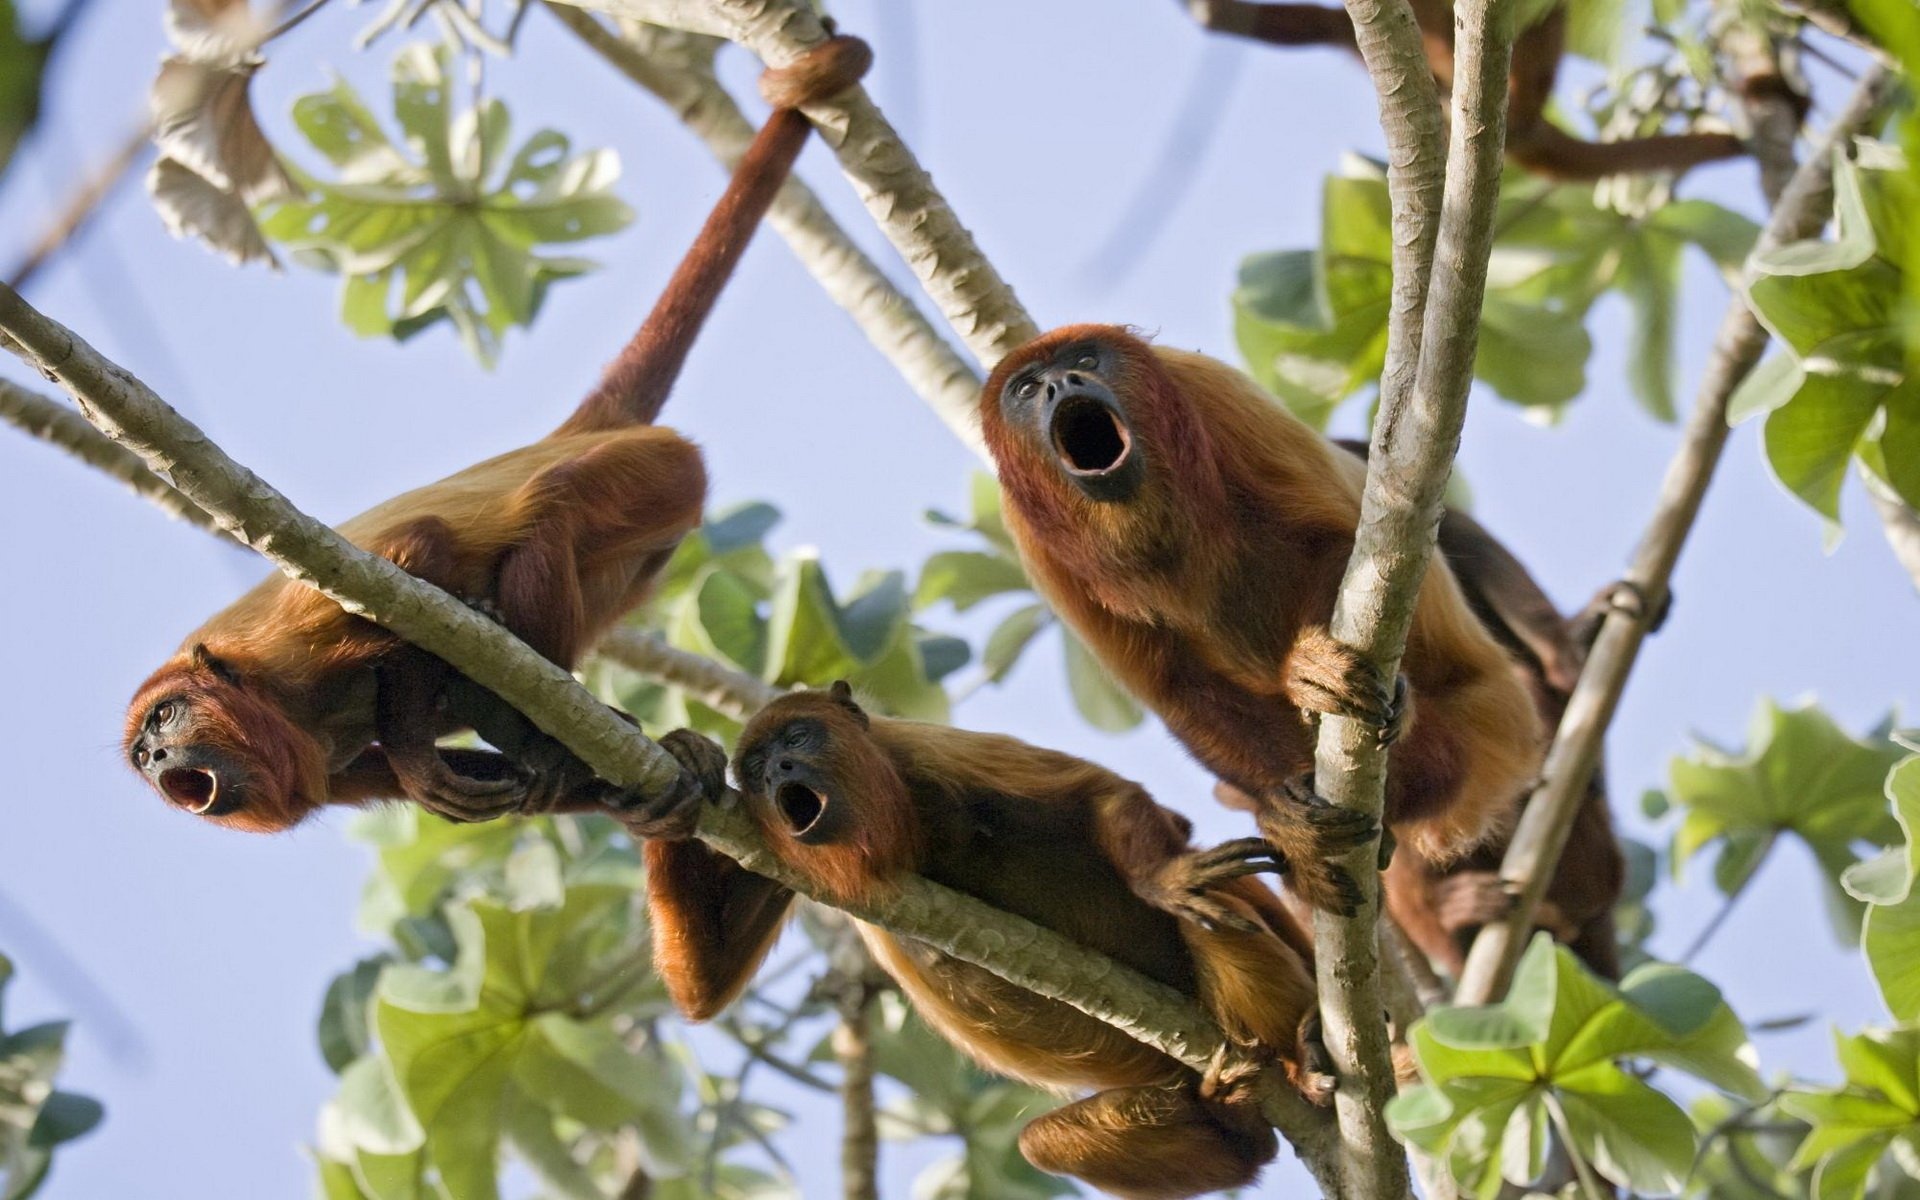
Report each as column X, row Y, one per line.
column 800, row 805
column 190, row 788
column 1089, row 436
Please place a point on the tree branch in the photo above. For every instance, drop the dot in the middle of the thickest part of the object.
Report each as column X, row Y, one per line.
column 1542, row 831
column 1017, row 950
column 55, row 423
column 677, row 68
column 733, row 693
column 912, row 213
column 1422, row 404
column 81, row 207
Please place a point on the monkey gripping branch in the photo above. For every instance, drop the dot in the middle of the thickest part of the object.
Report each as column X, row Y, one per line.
column 257, row 515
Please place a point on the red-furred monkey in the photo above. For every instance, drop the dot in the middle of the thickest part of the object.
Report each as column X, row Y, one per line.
column 273, row 708
column 853, row 802
column 1194, row 533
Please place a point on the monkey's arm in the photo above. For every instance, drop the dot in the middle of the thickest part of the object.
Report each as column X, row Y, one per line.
column 713, row 923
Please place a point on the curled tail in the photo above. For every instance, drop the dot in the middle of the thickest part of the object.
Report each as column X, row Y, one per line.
column 635, row 384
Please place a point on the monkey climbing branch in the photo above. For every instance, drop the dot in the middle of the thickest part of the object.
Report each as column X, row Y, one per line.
column 1542, row 832
column 257, row 515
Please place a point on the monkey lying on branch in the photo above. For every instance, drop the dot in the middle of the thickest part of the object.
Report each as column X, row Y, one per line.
column 283, row 702
column 853, row 802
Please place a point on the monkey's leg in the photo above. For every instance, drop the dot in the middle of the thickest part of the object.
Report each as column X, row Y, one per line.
column 1278, row 24
column 1152, row 1143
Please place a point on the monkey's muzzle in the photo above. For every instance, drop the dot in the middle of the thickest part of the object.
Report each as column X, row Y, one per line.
column 1093, row 444
column 801, row 807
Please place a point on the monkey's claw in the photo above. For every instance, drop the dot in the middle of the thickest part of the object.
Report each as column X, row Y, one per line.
column 1183, row 885
column 672, row 814
column 452, row 796
column 1326, row 675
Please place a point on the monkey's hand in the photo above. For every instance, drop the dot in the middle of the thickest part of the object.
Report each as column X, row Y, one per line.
column 1312, row 1071
column 1183, row 885
column 429, row 782
column 1467, row 901
column 673, row 814
column 1325, row 675
column 1308, row 832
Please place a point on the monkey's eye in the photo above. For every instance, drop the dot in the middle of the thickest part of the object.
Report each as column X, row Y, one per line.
column 1087, row 360
column 1026, row 388
column 796, row 738
column 164, row 712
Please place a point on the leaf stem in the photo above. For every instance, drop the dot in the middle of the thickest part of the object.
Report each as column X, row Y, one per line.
column 1590, row 1185
column 1719, row 918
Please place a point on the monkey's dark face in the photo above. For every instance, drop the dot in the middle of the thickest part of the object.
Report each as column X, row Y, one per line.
column 789, row 770
column 213, row 749
column 1066, row 401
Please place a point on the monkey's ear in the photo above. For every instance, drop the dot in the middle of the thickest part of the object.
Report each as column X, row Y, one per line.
column 208, row 660
column 842, row 694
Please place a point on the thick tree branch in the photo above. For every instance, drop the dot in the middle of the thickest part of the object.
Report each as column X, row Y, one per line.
column 1542, row 832
column 677, row 68
column 125, row 409
column 1432, row 333
column 912, row 213
column 733, row 693
column 55, row 423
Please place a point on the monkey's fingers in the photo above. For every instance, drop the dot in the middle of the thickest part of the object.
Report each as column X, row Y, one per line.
column 1313, row 1074
column 702, row 758
column 1212, row 915
column 1335, row 829
column 669, row 816
column 1325, row 675
column 1399, row 712
column 1238, row 850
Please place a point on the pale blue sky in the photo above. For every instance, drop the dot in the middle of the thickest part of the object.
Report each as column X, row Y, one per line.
column 1038, row 121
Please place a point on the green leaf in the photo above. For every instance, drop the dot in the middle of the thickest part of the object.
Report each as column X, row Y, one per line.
column 449, row 229
column 1852, row 1127
column 966, row 577
column 1556, row 1043
column 1891, row 934
column 1801, row 776
column 345, row 1029
column 1011, row 637
column 1840, row 308
column 1099, row 699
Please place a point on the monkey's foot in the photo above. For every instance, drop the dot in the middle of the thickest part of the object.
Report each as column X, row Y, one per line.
column 672, row 814
column 1232, row 1076
column 1315, row 1077
column 444, row 792
column 1182, row 885
column 1308, row 833
column 1326, row 675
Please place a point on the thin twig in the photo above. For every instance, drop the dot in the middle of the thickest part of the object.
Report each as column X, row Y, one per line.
column 954, row 923
column 732, row 693
column 678, row 68
column 1549, row 812
column 87, row 202
column 56, row 424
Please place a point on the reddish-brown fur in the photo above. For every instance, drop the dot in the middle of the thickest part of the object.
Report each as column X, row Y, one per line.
column 1207, row 591
column 274, row 707
column 1533, row 141
column 1057, row 840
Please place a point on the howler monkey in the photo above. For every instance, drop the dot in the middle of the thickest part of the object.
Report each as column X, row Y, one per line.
column 1194, row 533
column 1442, row 905
column 1533, row 141
column 283, row 702
column 853, row 802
